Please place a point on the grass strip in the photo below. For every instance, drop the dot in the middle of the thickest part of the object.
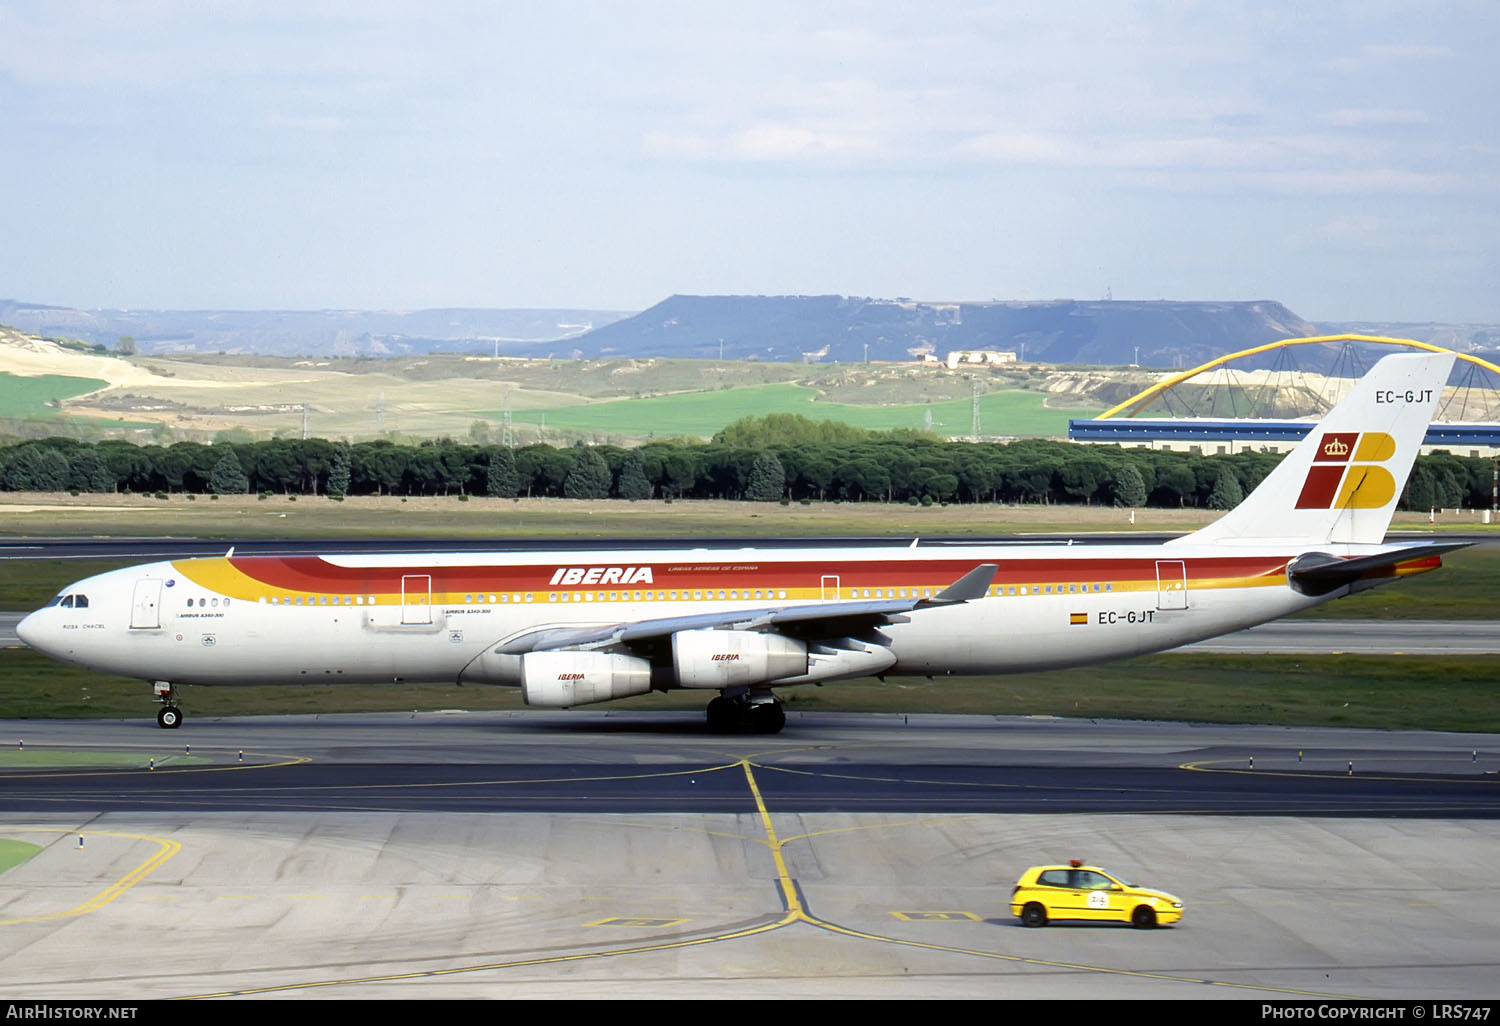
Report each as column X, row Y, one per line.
column 1395, row 692
column 13, row 853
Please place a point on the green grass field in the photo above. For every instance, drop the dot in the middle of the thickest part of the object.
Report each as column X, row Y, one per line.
column 22, row 397
column 13, row 853
column 1407, row 692
column 1007, row 413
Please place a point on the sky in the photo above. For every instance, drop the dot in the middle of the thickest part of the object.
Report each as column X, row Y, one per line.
column 1342, row 158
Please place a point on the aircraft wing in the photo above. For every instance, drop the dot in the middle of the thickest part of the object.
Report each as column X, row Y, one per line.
column 820, row 619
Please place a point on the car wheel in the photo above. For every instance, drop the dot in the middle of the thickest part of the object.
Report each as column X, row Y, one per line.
column 1143, row 918
column 1034, row 914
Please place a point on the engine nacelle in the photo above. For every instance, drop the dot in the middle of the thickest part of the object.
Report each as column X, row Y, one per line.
column 845, row 657
column 558, row 680
column 722, row 659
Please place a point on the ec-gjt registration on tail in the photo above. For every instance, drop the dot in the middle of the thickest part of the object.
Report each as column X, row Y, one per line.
column 1342, row 483
column 573, row 627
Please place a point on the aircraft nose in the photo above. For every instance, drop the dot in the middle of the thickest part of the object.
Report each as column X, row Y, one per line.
column 29, row 630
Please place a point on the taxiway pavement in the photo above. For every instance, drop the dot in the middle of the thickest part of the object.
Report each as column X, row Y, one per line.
column 598, row 854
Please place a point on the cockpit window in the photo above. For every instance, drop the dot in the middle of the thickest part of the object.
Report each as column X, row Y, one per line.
column 80, row 601
column 69, row 602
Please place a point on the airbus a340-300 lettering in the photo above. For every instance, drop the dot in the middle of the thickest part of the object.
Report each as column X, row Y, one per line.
column 573, row 628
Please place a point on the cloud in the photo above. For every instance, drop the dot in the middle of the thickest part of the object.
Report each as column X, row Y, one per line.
column 1184, row 153
column 1373, row 56
column 1360, row 228
column 1356, row 117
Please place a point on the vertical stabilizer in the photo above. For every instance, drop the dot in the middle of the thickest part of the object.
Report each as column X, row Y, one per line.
column 1341, row 484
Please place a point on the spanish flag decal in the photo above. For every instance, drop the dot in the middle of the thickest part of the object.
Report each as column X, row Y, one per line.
column 1078, row 618
column 1346, row 472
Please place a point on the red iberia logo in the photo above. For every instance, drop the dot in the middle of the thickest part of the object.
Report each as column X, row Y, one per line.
column 602, row 575
column 1347, row 472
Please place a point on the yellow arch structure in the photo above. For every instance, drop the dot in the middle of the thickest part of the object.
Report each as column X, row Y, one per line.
column 1133, row 405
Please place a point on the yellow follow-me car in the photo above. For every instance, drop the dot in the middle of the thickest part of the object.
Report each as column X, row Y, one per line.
column 1076, row 891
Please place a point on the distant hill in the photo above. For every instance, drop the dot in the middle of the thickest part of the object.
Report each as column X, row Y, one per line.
column 307, row 332
column 780, row 329
column 848, row 329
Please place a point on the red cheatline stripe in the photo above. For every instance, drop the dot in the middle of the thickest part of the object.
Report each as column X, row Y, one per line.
column 311, row 573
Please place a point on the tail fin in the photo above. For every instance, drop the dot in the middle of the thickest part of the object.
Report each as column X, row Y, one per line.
column 1341, row 484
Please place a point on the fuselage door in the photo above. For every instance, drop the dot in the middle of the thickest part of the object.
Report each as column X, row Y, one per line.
column 1171, row 584
column 145, row 609
column 416, row 598
column 830, row 587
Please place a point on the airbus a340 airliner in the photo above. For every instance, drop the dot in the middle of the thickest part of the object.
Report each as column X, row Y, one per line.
column 571, row 628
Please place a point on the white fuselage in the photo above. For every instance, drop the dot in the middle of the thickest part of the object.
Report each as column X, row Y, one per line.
column 369, row 619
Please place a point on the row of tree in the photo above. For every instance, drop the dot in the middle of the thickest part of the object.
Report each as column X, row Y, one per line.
column 877, row 468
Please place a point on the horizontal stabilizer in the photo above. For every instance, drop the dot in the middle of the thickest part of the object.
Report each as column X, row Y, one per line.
column 1318, row 573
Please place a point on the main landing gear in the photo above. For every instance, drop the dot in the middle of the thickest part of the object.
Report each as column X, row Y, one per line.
column 739, row 715
column 169, row 717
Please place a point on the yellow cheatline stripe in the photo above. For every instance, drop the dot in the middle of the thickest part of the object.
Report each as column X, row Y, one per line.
column 167, row 848
column 218, row 575
column 1142, row 398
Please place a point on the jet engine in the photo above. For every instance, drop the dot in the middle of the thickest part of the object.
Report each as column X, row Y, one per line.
column 558, row 680
column 723, row 659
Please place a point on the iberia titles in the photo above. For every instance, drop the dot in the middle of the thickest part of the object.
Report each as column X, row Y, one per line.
column 602, row 575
